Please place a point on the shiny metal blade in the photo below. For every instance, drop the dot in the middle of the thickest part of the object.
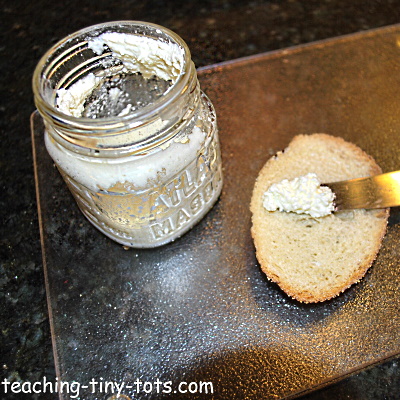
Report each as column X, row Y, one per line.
column 379, row 191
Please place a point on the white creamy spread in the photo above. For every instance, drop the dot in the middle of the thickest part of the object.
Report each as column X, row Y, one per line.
column 302, row 195
column 149, row 57
column 71, row 101
column 137, row 53
column 142, row 54
column 105, row 173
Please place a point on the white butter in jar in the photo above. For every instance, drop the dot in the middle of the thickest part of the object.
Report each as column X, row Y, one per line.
column 132, row 134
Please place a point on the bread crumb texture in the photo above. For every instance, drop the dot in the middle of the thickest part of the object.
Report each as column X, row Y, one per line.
column 315, row 259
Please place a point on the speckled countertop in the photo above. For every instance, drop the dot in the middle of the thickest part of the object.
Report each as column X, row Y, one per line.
column 215, row 31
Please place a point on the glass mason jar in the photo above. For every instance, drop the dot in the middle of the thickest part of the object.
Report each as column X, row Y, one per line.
column 130, row 131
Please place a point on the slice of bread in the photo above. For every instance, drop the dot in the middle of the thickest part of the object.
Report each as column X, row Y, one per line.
column 315, row 259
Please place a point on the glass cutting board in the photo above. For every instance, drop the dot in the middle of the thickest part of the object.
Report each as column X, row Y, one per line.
column 200, row 309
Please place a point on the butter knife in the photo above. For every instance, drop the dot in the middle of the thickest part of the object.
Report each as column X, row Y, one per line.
column 379, row 191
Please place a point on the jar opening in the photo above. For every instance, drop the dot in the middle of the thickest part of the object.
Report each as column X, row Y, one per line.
column 108, row 72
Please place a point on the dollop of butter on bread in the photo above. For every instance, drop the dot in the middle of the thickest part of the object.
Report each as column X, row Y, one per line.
column 301, row 195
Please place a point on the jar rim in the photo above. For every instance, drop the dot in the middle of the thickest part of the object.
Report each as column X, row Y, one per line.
column 109, row 123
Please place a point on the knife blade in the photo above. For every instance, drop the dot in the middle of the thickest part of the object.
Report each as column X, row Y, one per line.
column 379, row 191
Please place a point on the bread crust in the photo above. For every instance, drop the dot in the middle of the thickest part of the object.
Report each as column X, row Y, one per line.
column 276, row 234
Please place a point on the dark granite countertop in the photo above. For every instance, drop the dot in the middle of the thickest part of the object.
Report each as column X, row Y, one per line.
column 215, row 31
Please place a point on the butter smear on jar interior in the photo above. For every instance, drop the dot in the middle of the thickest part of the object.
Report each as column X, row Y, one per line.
column 130, row 131
column 302, row 195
